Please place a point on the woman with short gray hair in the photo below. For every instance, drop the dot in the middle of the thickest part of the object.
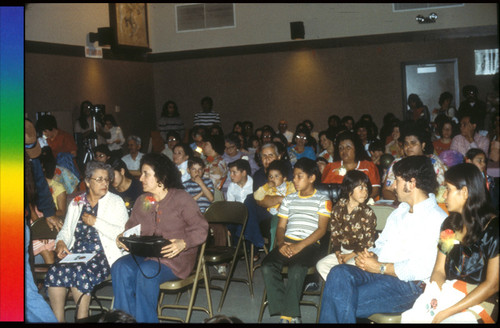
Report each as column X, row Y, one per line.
column 92, row 222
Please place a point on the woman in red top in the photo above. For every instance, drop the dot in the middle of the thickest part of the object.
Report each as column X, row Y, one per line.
column 349, row 154
column 445, row 130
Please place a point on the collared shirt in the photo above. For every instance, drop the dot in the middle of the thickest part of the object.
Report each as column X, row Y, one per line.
column 409, row 240
column 333, row 174
column 183, row 168
column 133, row 164
column 235, row 193
column 353, row 231
column 462, row 145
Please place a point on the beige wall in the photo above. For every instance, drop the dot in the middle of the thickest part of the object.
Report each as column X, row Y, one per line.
column 255, row 23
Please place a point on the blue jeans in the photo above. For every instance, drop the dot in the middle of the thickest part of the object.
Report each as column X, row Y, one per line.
column 35, row 307
column 352, row 293
column 134, row 293
column 256, row 214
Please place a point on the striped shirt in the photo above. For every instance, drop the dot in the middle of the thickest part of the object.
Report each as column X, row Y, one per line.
column 194, row 189
column 303, row 213
column 166, row 124
column 206, row 119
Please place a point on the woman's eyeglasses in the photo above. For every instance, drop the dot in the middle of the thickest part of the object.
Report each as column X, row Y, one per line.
column 101, row 180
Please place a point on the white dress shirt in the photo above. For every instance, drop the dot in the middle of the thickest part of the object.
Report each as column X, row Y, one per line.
column 237, row 194
column 409, row 240
column 133, row 165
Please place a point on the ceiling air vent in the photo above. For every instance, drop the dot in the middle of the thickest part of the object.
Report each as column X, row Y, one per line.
column 204, row 16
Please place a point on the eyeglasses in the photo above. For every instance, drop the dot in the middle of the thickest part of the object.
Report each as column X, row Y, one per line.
column 300, row 137
column 101, row 180
column 172, row 139
column 100, row 155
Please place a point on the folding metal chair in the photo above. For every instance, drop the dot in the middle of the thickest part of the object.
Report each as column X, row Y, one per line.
column 228, row 213
column 199, row 274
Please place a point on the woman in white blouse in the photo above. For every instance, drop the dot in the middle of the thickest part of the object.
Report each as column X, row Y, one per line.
column 116, row 141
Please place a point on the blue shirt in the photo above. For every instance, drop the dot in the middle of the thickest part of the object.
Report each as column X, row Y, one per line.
column 194, row 189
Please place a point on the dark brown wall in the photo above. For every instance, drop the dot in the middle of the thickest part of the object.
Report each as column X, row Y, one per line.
column 61, row 83
column 310, row 84
column 261, row 87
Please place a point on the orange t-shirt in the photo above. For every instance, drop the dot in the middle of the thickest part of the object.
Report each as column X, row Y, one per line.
column 331, row 172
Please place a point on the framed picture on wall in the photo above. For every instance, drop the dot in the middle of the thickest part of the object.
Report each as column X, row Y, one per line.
column 129, row 22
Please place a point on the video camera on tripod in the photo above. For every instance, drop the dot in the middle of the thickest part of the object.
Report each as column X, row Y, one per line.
column 91, row 141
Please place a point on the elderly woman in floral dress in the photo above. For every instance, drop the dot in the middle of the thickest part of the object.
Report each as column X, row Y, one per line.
column 93, row 221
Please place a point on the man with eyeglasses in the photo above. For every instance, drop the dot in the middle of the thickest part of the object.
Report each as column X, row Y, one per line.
column 102, row 153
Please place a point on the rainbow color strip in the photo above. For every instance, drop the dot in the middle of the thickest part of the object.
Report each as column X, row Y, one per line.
column 11, row 164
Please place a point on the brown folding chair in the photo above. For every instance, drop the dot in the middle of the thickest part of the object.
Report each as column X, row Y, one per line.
column 180, row 285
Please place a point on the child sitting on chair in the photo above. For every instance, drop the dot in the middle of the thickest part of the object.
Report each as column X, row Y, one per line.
column 200, row 188
column 277, row 185
column 303, row 220
column 353, row 223
column 241, row 182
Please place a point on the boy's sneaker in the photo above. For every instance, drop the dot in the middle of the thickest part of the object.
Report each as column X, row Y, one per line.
column 296, row 320
column 221, row 269
column 285, row 320
column 312, row 287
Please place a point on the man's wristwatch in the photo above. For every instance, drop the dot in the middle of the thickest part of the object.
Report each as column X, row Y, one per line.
column 382, row 268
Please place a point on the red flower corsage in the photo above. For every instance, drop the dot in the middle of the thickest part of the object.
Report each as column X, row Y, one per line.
column 447, row 240
column 78, row 200
column 149, row 201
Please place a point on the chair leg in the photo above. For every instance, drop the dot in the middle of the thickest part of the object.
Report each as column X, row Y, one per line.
column 178, row 298
column 262, row 306
column 249, row 272
column 252, row 249
column 160, row 301
column 320, row 300
column 207, row 287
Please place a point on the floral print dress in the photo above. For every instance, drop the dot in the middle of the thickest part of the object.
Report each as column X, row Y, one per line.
column 83, row 276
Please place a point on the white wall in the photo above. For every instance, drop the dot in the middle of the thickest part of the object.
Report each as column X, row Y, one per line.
column 255, row 23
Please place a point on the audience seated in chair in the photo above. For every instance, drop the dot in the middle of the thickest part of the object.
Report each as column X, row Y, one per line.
column 389, row 277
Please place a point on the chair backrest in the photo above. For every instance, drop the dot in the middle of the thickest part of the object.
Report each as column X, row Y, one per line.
column 227, row 212
column 332, row 190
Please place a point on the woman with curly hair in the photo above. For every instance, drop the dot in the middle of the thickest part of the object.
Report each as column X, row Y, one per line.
column 165, row 210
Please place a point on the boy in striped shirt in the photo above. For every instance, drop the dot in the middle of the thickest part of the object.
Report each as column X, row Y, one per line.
column 303, row 220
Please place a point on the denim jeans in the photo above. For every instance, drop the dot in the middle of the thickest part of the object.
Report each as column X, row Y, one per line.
column 35, row 307
column 352, row 293
column 134, row 293
column 256, row 214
